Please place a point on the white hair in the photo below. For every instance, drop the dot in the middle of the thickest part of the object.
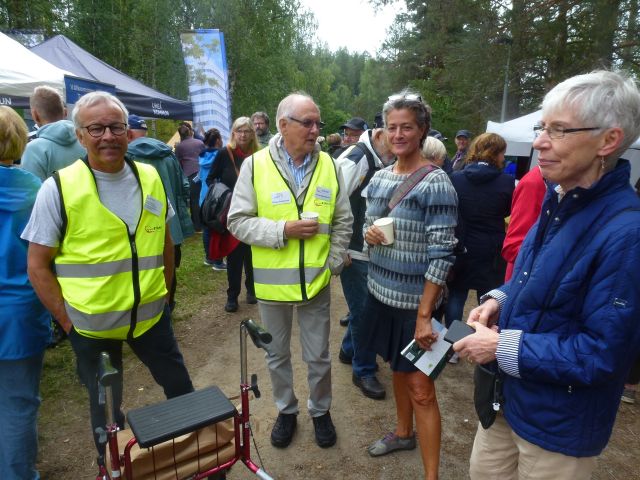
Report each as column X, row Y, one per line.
column 287, row 105
column 600, row 99
column 433, row 149
column 94, row 98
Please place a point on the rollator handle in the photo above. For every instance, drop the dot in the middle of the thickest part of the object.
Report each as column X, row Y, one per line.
column 260, row 337
column 107, row 375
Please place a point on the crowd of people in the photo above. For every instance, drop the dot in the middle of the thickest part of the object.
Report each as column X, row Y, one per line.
column 94, row 217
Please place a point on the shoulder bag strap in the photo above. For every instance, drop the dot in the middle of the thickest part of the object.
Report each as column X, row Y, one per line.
column 410, row 182
column 233, row 160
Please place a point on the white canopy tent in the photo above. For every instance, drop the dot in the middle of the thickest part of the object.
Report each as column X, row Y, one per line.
column 519, row 136
column 21, row 71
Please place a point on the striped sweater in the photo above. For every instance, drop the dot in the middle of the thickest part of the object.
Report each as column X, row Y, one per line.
column 424, row 223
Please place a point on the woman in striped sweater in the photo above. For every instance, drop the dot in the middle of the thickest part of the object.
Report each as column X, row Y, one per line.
column 406, row 278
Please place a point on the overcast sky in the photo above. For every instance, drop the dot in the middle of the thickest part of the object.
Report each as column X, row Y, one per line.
column 353, row 24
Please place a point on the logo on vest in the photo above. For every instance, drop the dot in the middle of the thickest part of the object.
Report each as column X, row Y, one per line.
column 150, row 229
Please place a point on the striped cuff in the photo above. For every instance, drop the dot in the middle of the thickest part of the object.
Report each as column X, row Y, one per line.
column 497, row 295
column 508, row 350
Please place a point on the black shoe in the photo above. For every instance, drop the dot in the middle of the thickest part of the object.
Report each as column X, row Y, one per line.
column 344, row 357
column 370, row 386
column 344, row 321
column 251, row 299
column 325, row 431
column 282, row 431
column 231, row 306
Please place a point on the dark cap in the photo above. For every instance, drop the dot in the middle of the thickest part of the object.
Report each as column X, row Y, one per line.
column 356, row 123
column 137, row 123
column 436, row 134
column 464, row 133
column 378, row 122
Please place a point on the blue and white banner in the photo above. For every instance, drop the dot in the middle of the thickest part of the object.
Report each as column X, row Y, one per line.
column 77, row 87
column 206, row 61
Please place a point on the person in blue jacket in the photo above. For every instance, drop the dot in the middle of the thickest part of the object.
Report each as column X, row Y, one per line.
column 25, row 324
column 566, row 326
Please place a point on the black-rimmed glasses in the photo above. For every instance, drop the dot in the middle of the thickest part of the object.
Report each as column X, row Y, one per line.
column 96, row 130
column 559, row 132
column 308, row 123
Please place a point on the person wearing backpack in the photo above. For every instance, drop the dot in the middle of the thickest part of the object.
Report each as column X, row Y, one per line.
column 243, row 143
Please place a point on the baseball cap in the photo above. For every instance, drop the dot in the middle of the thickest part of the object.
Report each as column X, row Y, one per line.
column 137, row 123
column 356, row 123
column 378, row 122
column 464, row 133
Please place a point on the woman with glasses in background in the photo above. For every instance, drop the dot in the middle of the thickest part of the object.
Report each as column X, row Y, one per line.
column 406, row 277
column 225, row 169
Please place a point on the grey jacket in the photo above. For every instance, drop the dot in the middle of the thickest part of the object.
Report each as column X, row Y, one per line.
column 243, row 223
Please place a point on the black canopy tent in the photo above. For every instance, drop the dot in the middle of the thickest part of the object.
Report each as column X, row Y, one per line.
column 138, row 98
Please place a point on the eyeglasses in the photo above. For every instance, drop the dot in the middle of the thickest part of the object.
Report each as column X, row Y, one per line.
column 412, row 97
column 308, row 123
column 244, row 132
column 96, row 130
column 559, row 132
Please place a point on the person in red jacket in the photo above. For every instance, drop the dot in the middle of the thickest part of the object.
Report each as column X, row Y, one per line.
column 525, row 210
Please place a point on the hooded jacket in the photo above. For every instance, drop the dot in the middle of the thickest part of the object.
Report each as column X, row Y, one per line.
column 159, row 154
column 24, row 322
column 205, row 161
column 55, row 147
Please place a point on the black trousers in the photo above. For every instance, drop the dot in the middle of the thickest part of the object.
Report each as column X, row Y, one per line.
column 194, row 202
column 634, row 374
column 156, row 348
column 240, row 257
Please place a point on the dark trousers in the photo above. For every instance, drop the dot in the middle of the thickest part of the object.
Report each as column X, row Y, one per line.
column 634, row 374
column 240, row 257
column 194, row 202
column 157, row 349
column 177, row 258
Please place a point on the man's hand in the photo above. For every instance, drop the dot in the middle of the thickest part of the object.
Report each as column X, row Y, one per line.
column 300, row 228
column 479, row 347
column 374, row 236
column 487, row 314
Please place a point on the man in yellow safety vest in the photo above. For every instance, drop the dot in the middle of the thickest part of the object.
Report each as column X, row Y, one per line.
column 291, row 206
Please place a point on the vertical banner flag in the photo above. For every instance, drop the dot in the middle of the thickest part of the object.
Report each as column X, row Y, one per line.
column 206, row 61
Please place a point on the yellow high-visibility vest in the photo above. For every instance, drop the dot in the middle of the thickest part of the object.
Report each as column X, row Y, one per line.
column 111, row 282
column 298, row 271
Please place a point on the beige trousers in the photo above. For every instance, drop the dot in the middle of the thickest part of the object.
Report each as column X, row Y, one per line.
column 500, row 454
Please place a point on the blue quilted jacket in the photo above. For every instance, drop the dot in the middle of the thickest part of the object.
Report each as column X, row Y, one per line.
column 575, row 295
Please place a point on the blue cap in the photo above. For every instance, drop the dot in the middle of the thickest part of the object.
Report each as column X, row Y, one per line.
column 464, row 133
column 137, row 123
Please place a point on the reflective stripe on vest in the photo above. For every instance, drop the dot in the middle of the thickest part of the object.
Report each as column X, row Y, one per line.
column 110, row 281
column 298, row 271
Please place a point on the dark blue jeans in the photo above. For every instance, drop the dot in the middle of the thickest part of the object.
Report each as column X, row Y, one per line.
column 354, row 286
column 156, row 348
column 455, row 305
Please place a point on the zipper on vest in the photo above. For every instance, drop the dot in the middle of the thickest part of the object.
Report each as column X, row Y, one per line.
column 136, row 284
column 303, row 282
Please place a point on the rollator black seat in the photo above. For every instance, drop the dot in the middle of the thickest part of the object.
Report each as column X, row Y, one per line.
column 163, row 421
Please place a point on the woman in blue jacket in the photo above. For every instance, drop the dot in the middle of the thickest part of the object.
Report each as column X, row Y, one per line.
column 25, row 325
column 567, row 322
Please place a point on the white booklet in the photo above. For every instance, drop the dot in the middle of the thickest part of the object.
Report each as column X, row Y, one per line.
column 431, row 361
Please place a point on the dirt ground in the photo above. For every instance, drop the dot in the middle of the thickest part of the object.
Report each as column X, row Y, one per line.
column 209, row 343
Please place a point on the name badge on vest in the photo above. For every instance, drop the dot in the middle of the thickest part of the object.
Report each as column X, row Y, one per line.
column 323, row 193
column 280, row 198
column 153, row 205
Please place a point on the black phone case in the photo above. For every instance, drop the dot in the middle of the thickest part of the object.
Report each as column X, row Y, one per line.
column 457, row 331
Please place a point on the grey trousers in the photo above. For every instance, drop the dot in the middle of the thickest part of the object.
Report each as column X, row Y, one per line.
column 314, row 323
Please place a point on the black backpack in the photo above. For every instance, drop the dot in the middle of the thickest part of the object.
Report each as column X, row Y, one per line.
column 215, row 208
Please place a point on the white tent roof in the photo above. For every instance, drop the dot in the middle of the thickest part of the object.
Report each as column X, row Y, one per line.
column 519, row 136
column 22, row 70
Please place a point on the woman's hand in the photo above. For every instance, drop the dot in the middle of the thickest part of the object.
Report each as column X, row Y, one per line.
column 479, row 347
column 424, row 335
column 487, row 314
column 374, row 236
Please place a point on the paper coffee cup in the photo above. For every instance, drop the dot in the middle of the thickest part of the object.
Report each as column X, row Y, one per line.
column 310, row 216
column 386, row 225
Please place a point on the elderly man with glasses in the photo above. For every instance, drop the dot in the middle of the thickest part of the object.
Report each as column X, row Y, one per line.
column 101, row 258
column 291, row 206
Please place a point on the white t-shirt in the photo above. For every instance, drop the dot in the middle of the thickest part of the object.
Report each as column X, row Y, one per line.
column 119, row 192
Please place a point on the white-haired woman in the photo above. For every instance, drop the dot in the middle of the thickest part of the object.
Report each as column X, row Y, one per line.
column 567, row 322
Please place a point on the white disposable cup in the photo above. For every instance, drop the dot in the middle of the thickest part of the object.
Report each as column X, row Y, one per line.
column 310, row 216
column 386, row 225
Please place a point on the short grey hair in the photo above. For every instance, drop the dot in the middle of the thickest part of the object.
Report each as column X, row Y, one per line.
column 409, row 100
column 433, row 149
column 600, row 99
column 95, row 98
column 286, row 107
column 261, row 115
